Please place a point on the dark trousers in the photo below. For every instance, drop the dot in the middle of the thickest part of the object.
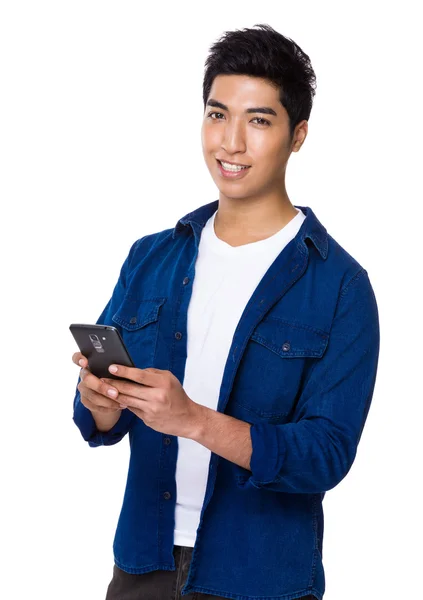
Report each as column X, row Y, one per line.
column 159, row 585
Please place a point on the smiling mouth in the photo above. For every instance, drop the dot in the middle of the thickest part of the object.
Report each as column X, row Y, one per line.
column 232, row 168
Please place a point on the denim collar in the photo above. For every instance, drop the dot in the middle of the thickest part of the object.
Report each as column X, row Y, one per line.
column 311, row 227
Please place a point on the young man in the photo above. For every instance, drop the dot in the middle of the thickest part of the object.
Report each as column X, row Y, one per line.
column 255, row 337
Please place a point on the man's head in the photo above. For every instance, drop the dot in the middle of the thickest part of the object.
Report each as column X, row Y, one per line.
column 255, row 68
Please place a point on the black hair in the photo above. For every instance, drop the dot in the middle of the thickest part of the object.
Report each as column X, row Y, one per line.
column 267, row 54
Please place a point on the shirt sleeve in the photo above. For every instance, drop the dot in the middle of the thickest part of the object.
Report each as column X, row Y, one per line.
column 82, row 416
column 315, row 451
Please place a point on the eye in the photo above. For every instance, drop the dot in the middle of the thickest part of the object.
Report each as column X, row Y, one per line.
column 263, row 121
column 214, row 113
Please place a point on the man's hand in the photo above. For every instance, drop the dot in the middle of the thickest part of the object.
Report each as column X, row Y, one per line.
column 94, row 391
column 157, row 398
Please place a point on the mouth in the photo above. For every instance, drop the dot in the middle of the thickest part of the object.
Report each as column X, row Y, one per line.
column 232, row 171
column 229, row 171
column 231, row 164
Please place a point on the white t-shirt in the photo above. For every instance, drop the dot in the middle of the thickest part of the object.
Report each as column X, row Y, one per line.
column 225, row 279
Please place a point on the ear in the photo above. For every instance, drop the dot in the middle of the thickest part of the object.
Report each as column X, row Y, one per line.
column 300, row 135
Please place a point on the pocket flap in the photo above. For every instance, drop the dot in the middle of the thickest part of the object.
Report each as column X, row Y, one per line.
column 134, row 313
column 290, row 339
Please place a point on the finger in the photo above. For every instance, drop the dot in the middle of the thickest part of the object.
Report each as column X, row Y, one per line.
column 128, row 388
column 83, row 373
column 95, row 397
column 97, row 407
column 77, row 357
column 91, row 382
column 130, row 394
column 141, row 376
column 131, row 401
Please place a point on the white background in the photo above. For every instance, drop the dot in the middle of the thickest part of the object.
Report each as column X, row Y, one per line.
column 101, row 110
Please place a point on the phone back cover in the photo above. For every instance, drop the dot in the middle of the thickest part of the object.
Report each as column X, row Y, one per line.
column 112, row 349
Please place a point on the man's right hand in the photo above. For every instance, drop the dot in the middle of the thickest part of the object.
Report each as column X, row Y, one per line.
column 94, row 391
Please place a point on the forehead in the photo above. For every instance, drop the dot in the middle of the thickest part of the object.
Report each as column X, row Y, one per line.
column 242, row 91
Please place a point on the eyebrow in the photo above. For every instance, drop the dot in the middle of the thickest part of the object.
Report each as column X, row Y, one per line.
column 266, row 110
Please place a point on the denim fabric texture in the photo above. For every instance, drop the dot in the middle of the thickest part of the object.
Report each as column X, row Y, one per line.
column 301, row 370
column 159, row 585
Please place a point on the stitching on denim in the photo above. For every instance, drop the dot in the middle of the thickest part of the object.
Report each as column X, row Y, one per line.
column 146, row 569
column 177, row 311
column 151, row 317
column 218, row 593
column 289, row 354
column 315, row 548
column 260, row 413
column 294, row 260
column 291, row 325
column 354, row 278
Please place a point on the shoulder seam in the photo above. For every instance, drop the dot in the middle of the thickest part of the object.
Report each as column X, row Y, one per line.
column 361, row 271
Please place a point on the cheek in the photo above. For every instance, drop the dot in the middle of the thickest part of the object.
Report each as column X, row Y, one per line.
column 272, row 158
column 210, row 138
column 266, row 147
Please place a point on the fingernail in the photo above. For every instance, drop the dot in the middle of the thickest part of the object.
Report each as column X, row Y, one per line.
column 113, row 368
column 81, row 362
column 112, row 393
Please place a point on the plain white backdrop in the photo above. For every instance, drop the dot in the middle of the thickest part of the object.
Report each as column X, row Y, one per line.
column 100, row 118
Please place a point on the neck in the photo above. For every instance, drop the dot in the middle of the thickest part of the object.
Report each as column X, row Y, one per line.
column 242, row 221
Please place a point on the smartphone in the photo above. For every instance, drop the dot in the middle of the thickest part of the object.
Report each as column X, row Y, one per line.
column 102, row 345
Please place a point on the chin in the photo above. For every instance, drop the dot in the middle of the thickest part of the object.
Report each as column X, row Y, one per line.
column 234, row 194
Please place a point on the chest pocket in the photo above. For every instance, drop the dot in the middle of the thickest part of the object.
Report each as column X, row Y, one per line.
column 278, row 356
column 138, row 321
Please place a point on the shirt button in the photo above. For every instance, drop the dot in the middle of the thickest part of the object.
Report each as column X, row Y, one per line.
column 286, row 346
column 186, row 280
column 167, row 441
column 178, row 335
column 166, row 495
column 133, row 320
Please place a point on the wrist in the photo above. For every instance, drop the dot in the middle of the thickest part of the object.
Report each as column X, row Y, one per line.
column 105, row 421
column 198, row 421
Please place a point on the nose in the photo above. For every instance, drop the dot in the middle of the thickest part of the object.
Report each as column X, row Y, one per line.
column 233, row 137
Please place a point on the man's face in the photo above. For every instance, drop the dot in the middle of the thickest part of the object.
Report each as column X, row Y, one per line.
column 256, row 139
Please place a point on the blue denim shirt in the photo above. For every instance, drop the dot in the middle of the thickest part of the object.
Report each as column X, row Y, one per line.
column 312, row 326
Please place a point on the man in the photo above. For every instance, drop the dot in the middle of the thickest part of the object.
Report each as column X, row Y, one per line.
column 255, row 337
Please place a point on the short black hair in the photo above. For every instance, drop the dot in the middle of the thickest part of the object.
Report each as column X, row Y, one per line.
column 267, row 54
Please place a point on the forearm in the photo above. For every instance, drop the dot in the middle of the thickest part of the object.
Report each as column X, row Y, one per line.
column 224, row 435
column 105, row 421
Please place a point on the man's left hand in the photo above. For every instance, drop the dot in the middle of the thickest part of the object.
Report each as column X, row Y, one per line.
column 157, row 398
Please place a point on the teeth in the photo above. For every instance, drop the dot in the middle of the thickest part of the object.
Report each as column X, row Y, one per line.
column 229, row 167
